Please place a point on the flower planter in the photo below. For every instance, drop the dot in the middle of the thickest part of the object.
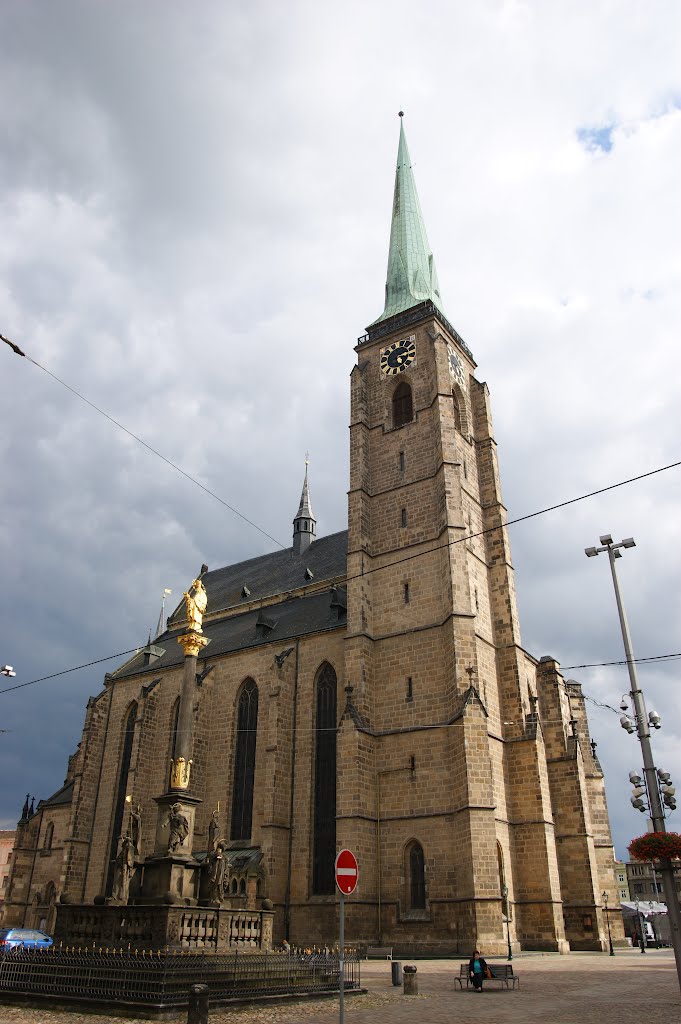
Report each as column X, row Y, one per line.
column 656, row 846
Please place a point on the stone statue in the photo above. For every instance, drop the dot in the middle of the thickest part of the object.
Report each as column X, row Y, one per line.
column 216, row 874
column 195, row 600
column 178, row 826
column 136, row 828
column 125, row 862
column 214, row 831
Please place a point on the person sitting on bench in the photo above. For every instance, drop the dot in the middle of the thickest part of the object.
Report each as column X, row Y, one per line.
column 477, row 968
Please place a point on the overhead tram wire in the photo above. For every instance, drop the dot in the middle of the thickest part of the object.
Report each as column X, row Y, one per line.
column 76, row 668
column 638, row 661
column 169, row 462
column 458, row 540
column 378, row 568
column 134, row 650
column 398, row 561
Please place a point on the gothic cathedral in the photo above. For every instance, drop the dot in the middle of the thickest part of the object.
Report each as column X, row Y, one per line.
column 365, row 690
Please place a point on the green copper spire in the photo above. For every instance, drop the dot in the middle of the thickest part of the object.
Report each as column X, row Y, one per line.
column 412, row 277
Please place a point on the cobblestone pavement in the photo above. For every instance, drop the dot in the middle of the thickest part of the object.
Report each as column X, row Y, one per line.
column 581, row 988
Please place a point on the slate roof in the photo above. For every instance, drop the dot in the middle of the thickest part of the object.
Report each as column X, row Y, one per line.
column 277, row 574
column 62, row 796
column 297, row 616
column 269, row 575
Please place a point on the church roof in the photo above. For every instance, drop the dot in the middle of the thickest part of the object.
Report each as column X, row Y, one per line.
column 277, row 574
column 281, row 622
column 269, row 575
column 62, row 796
column 412, row 277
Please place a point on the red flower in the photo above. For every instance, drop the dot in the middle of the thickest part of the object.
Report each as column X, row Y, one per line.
column 656, row 846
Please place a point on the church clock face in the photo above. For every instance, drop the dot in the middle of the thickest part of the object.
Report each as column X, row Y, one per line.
column 456, row 367
column 398, row 356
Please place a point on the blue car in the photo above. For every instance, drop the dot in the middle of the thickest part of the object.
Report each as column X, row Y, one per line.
column 30, row 938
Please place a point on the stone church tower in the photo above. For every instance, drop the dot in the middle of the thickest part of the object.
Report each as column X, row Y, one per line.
column 441, row 733
column 365, row 690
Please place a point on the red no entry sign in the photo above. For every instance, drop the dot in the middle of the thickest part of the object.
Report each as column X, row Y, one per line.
column 347, row 872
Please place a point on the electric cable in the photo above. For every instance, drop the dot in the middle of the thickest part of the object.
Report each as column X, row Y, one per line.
column 169, row 462
column 625, row 661
column 347, row 579
column 367, row 572
column 76, row 668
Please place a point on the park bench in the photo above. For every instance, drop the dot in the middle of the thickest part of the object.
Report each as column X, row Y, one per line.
column 379, row 952
column 502, row 973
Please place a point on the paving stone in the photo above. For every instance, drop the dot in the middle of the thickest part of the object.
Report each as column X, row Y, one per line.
column 581, row 988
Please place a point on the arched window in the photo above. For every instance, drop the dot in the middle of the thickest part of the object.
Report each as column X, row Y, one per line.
column 244, row 761
column 457, row 411
column 403, row 411
column 417, row 876
column 324, row 854
column 175, row 717
column 49, row 835
column 119, row 807
column 503, row 889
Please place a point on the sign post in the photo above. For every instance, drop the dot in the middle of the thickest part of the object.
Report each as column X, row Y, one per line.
column 347, row 872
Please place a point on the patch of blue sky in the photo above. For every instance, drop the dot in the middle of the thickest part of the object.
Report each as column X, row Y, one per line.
column 597, row 137
column 668, row 104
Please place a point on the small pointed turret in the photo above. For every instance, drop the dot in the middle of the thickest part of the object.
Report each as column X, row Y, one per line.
column 304, row 524
column 412, row 277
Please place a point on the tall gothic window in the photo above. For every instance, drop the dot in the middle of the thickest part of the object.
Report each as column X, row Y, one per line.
column 49, row 834
column 324, row 854
column 402, row 405
column 119, row 807
column 503, row 891
column 175, row 717
column 457, row 412
column 244, row 761
column 417, row 877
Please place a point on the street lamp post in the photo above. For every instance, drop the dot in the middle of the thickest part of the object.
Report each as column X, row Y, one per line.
column 504, row 896
column 643, row 723
column 607, row 921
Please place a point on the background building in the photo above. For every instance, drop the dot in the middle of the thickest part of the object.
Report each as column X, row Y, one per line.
column 6, row 848
column 368, row 689
column 621, row 880
column 644, row 883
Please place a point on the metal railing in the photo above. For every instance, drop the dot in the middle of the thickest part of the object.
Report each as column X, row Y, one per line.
column 412, row 316
column 163, row 978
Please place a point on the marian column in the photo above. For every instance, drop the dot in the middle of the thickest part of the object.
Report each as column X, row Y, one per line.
column 191, row 643
column 166, row 872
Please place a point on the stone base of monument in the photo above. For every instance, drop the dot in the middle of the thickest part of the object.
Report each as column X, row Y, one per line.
column 169, row 880
column 163, row 926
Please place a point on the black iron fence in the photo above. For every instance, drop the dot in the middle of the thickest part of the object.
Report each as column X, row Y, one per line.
column 163, row 978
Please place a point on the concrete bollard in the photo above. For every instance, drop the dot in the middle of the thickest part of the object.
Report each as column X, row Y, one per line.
column 411, row 985
column 396, row 970
column 197, row 1012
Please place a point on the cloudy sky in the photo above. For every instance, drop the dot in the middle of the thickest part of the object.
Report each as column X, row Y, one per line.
column 194, row 221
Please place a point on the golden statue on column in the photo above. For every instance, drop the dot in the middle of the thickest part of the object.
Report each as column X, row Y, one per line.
column 195, row 600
